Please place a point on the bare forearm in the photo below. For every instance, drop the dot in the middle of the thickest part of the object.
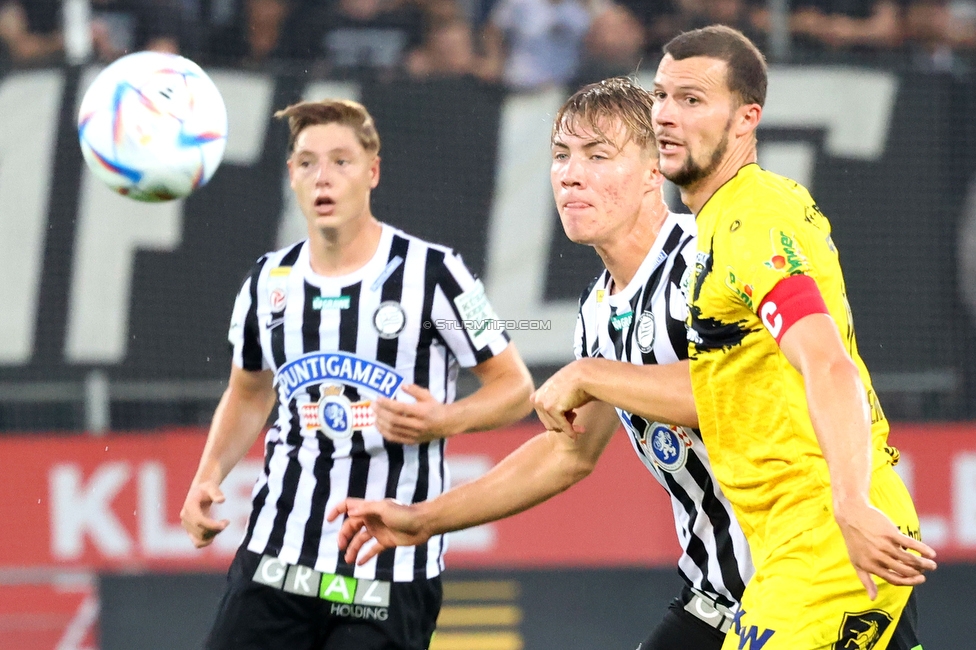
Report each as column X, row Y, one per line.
column 493, row 405
column 237, row 423
column 661, row 392
column 841, row 419
column 503, row 397
column 538, row 470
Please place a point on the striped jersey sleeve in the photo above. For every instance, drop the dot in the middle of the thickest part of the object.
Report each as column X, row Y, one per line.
column 243, row 336
column 463, row 316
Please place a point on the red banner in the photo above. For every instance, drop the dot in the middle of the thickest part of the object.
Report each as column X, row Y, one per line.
column 113, row 503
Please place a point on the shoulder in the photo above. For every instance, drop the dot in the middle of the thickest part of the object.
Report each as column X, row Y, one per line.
column 590, row 296
column 419, row 243
column 761, row 200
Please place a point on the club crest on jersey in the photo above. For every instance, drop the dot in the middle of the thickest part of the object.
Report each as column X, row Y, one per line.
column 334, row 415
column 321, row 367
column 645, row 331
column 389, row 319
column 667, row 446
column 862, row 630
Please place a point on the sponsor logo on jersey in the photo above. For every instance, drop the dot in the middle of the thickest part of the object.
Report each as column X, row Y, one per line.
column 350, row 597
column 862, row 630
column 742, row 291
column 334, row 415
column 474, row 309
column 787, row 256
column 389, row 319
column 751, row 637
column 331, row 302
column 620, row 321
column 645, row 331
column 321, row 367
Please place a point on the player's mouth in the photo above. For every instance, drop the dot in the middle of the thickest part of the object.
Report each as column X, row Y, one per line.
column 575, row 204
column 324, row 205
column 668, row 145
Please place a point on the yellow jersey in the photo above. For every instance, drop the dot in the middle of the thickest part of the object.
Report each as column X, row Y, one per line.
column 756, row 230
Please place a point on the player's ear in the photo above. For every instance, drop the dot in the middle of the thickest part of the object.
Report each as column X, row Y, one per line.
column 746, row 119
column 374, row 172
column 652, row 173
column 290, row 163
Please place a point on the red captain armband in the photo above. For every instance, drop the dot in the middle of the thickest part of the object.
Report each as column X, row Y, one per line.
column 790, row 300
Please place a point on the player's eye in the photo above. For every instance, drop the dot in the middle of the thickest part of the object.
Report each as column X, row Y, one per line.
column 559, row 155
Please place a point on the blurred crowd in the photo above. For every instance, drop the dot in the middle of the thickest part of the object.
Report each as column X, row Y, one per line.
column 524, row 44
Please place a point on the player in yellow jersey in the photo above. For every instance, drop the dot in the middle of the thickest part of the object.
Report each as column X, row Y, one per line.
column 795, row 432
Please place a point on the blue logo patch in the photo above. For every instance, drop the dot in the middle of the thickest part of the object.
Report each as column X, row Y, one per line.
column 335, row 414
column 317, row 367
column 667, row 448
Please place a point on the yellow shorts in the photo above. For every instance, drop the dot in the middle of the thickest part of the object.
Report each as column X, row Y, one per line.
column 806, row 595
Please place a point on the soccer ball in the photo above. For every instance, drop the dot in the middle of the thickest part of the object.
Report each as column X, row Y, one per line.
column 153, row 126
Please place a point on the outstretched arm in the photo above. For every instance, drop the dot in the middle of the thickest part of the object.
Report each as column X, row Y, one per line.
column 240, row 416
column 656, row 392
column 541, row 468
column 503, row 398
column 840, row 415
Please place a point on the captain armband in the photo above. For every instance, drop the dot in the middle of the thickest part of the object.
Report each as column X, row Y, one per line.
column 790, row 300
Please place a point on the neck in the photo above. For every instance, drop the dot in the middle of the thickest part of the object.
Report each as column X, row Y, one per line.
column 740, row 154
column 627, row 251
column 340, row 251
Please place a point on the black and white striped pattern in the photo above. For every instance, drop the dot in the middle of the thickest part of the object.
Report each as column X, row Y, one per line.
column 645, row 323
column 378, row 319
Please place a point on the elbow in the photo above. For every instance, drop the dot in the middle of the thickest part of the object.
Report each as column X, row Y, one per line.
column 583, row 468
column 520, row 387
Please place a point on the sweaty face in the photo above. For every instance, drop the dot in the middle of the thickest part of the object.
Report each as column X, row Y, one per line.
column 693, row 110
column 332, row 175
column 598, row 185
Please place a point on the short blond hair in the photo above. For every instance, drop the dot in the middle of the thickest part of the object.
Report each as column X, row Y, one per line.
column 348, row 113
column 617, row 98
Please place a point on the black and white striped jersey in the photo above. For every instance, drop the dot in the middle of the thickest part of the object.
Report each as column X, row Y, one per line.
column 645, row 323
column 412, row 314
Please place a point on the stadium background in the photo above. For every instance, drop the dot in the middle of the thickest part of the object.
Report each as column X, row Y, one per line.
column 113, row 353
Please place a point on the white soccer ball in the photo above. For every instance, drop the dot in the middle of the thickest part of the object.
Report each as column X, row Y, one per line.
column 153, row 126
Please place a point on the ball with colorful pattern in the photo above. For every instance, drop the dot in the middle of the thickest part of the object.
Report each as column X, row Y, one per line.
column 153, row 126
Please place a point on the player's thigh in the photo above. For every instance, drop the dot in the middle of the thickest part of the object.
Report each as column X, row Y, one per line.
column 253, row 616
column 680, row 630
column 406, row 623
column 806, row 596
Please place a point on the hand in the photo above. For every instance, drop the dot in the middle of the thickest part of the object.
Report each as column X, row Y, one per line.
column 195, row 514
column 877, row 547
column 411, row 424
column 556, row 400
column 388, row 522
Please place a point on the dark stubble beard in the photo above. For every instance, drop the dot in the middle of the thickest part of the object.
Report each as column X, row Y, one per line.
column 691, row 172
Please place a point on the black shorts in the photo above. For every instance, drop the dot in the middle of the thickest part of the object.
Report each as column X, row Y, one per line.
column 682, row 630
column 256, row 616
